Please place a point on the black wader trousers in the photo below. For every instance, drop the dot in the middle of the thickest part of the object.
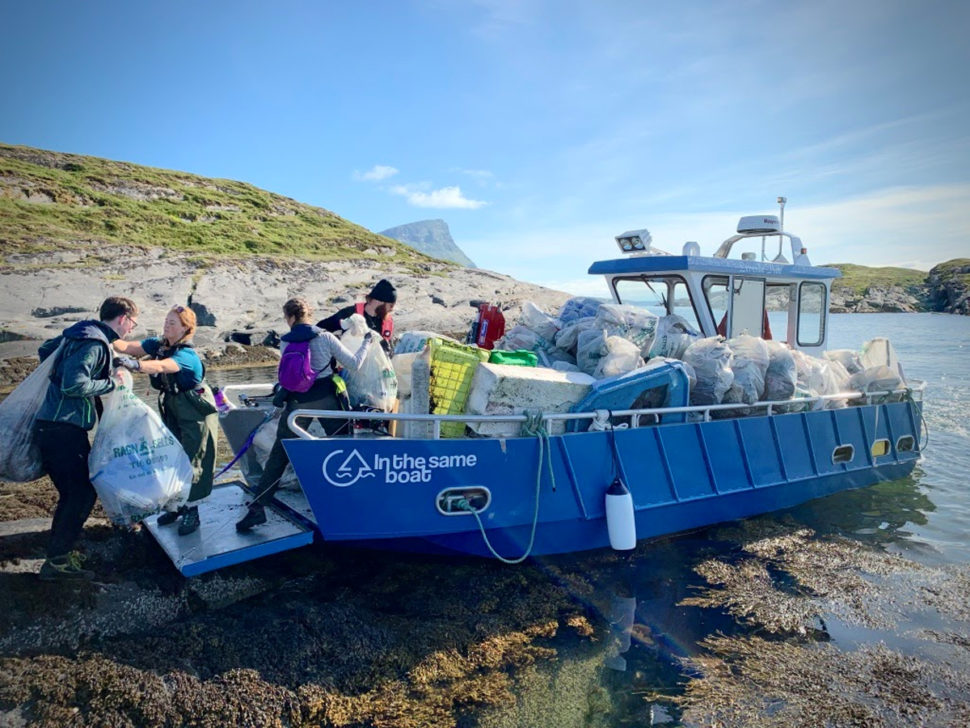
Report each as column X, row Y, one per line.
column 64, row 452
column 321, row 395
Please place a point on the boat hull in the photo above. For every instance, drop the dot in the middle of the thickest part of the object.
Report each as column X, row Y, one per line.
column 388, row 492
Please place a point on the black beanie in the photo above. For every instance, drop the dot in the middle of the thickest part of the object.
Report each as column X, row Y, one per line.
column 384, row 291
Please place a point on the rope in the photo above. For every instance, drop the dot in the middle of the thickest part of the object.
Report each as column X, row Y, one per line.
column 616, row 455
column 534, row 425
column 245, row 447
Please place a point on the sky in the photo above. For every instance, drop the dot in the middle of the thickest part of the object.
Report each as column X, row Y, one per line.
column 537, row 129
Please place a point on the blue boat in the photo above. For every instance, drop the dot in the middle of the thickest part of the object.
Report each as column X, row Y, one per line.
column 672, row 468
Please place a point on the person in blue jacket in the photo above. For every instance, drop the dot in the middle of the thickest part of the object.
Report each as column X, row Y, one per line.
column 82, row 372
column 185, row 401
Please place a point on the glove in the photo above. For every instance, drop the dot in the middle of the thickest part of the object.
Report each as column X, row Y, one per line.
column 368, row 337
column 128, row 362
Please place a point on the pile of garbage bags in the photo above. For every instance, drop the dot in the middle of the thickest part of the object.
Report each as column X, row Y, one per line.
column 608, row 340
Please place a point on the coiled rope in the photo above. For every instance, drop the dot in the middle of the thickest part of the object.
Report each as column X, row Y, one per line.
column 535, row 426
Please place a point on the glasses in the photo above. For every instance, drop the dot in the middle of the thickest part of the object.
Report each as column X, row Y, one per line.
column 134, row 322
column 178, row 309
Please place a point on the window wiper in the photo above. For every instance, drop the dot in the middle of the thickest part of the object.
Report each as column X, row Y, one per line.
column 661, row 296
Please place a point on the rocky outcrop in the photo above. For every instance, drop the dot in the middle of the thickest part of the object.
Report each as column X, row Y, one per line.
column 431, row 237
column 38, row 300
column 949, row 285
column 877, row 299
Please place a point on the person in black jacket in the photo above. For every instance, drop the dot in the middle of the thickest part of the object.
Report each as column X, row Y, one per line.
column 376, row 310
column 70, row 409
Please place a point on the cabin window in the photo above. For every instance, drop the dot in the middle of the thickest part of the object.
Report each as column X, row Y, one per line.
column 778, row 298
column 716, row 294
column 661, row 296
column 880, row 447
column 811, row 314
column 748, row 306
column 747, row 298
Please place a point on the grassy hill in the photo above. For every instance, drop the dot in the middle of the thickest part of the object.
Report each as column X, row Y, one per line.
column 859, row 278
column 53, row 201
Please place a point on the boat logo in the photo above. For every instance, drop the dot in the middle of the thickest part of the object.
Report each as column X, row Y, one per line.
column 343, row 471
column 346, row 472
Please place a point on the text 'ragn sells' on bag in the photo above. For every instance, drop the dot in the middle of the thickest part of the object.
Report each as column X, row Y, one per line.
column 137, row 466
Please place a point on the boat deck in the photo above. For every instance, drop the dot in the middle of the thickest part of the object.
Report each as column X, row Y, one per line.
column 217, row 544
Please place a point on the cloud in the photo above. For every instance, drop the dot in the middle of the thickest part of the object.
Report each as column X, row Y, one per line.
column 482, row 175
column 443, row 198
column 376, row 173
column 911, row 227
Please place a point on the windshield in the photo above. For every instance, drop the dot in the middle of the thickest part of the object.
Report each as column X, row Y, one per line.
column 660, row 295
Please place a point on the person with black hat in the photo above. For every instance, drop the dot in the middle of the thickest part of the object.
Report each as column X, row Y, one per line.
column 376, row 309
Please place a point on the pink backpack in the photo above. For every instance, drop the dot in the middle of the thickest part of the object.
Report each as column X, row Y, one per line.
column 295, row 372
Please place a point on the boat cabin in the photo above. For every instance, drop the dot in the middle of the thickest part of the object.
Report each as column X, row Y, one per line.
column 773, row 299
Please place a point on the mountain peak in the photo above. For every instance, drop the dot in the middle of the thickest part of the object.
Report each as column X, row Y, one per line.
column 431, row 237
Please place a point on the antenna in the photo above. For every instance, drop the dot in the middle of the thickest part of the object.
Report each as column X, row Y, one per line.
column 780, row 258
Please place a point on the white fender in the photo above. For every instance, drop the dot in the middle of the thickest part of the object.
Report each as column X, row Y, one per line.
column 619, row 517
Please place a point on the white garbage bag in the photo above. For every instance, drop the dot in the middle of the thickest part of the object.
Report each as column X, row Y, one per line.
column 848, row 358
column 262, row 445
column 590, row 348
column 711, row 361
column 673, row 337
column 415, row 341
column 548, row 357
column 402, row 364
column 578, row 308
column 374, row 384
column 821, row 376
column 20, row 454
column 521, row 337
column 781, row 375
column 880, row 378
column 621, row 356
column 749, row 362
column 136, row 464
column 631, row 322
column 539, row 321
column 879, row 352
column 568, row 335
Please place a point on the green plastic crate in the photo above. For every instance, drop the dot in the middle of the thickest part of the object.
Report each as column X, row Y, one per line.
column 519, row 357
column 452, row 369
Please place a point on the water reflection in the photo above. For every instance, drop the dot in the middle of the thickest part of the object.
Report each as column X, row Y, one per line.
column 637, row 600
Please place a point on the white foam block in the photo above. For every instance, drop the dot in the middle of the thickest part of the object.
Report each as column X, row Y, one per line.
column 502, row 389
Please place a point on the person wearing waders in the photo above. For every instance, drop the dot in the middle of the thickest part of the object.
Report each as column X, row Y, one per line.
column 311, row 386
column 185, row 401
column 81, row 374
column 376, row 310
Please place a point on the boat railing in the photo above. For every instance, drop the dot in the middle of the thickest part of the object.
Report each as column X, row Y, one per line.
column 801, row 404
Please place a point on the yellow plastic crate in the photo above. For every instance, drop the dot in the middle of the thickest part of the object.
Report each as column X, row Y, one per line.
column 452, row 369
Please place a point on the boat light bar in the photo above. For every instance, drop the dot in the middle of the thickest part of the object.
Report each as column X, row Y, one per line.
column 634, row 241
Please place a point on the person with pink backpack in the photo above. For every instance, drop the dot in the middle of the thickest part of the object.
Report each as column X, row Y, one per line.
column 305, row 382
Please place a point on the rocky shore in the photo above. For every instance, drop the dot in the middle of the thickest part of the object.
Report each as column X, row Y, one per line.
column 945, row 289
column 234, row 299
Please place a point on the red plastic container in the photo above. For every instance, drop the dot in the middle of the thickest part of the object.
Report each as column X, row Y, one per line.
column 490, row 325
